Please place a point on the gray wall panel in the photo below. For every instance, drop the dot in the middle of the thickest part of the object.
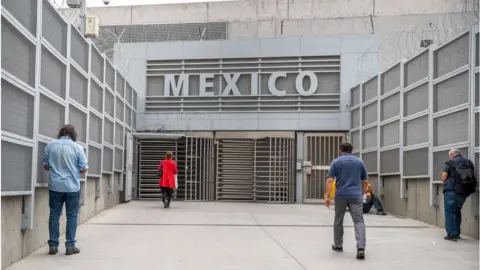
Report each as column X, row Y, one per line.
column 18, row 54
column 78, row 87
column 97, row 64
column 119, row 109
column 390, row 161
column 25, row 11
column 96, row 96
column 94, row 160
column 53, row 73
column 416, row 131
column 355, row 139
column 79, row 120
column 108, row 131
column 17, row 168
column 390, row 79
column 56, row 34
column 416, row 100
column 110, row 76
column 128, row 94
column 370, row 89
column 107, row 159
column 370, row 161
column 415, row 162
column 355, row 96
column 120, row 85
column 355, row 118
column 53, row 117
column 369, row 138
column 119, row 137
column 390, row 107
column 17, row 110
column 390, row 134
column 452, row 128
column 452, row 92
column 452, row 56
column 370, row 113
column 118, row 159
column 95, row 129
column 416, row 69
column 109, row 104
column 79, row 49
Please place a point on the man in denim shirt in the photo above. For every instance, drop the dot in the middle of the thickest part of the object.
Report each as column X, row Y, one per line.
column 65, row 160
column 453, row 201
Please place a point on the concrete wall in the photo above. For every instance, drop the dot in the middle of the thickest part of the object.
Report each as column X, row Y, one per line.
column 398, row 25
column 417, row 205
column 16, row 245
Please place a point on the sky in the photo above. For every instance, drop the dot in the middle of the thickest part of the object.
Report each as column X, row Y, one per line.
column 96, row 3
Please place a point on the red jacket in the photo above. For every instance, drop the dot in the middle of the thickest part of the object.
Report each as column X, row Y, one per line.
column 169, row 168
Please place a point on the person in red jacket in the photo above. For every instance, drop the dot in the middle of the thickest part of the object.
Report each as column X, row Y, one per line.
column 167, row 181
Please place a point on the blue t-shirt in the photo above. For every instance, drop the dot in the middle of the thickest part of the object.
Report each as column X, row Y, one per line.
column 65, row 159
column 349, row 172
column 450, row 183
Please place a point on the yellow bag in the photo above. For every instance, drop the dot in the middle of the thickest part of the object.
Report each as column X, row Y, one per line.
column 332, row 191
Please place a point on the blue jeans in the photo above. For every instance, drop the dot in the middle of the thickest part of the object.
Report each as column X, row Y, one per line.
column 72, row 205
column 453, row 212
column 373, row 202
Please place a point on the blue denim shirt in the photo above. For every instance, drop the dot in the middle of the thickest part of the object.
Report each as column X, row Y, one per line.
column 65, row 158
column 349, row 172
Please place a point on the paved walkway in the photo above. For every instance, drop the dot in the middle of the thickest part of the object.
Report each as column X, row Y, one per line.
column 224, row 236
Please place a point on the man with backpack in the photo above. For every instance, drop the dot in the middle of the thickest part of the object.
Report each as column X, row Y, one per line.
column 459, row 178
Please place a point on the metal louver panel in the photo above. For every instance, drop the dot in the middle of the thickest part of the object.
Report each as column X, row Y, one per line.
column 18, row 54
column 416, row 69
column 415, row 162
column 390, row 134
column 119, row 109
column 370, row 113
column 369, row 138
column 119, row 136
column 152, row 151
column 370, row 89
column 451, row 92
column 57, row 28
column 107, row 159
column 25, row 11
column 390, row 161
column 95, row 129
column 53, row 117
column 94, row 160
column 79, row 120
column 78, row 87
column 415, row 131
column 108, row 131
column 96, row 96
column 416, row 100
column 390, row 79
column 17, row 168
column 370, row 161
column 452, row 56
column 390, row 107
column 118, row 159
column 42, row 174
column 17, row 110
column 355, row 96
column 53, row 73
column 235, row 169
column 79, row 49
column 451, row 128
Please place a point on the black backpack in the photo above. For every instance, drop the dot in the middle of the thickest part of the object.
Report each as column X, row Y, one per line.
column 465, row 182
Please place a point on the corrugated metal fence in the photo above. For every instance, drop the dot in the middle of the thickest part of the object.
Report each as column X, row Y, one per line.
column 405, row 120
column 51, row 75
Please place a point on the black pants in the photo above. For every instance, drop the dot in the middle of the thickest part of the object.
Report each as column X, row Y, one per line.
column 167, row 194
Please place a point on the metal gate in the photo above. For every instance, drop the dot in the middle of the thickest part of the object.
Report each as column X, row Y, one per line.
column 319, row 151
column 195, row 162
column 256, row 169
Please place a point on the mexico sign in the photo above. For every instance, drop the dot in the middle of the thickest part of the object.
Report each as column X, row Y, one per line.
column 178, row 85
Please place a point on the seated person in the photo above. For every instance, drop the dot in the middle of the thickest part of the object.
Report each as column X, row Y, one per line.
column 369, row 200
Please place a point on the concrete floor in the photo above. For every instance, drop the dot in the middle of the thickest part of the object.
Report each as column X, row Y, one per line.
column 224, row 236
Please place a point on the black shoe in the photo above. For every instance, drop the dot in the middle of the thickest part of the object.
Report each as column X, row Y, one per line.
column 53, row 251
column 337, row 249
column 361, row 254
column 167, row 204
column 450, row 238
column 457, row 237
column 381, row 213
column 72, row 251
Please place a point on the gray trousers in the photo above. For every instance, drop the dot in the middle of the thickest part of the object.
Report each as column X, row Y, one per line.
column 356, row 211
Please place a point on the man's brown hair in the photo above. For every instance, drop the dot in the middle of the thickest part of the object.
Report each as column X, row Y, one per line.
column 169, row 155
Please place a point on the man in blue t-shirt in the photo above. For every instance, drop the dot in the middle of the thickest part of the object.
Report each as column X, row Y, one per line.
column 350, row 175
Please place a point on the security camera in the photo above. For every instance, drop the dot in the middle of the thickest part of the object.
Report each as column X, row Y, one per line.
column 106, row 2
